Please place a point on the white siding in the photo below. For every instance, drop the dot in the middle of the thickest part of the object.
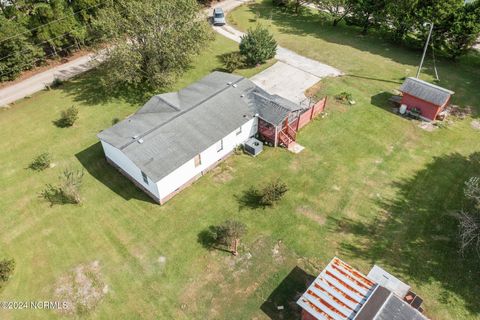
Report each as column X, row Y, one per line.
column 129, row 167
column 210, row 156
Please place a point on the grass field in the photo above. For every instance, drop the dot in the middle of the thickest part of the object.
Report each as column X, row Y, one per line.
column 370, row 187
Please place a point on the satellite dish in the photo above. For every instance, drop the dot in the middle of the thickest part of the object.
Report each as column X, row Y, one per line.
column 403, row 109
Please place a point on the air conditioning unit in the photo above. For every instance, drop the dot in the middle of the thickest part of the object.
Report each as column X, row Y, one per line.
column 253, row 147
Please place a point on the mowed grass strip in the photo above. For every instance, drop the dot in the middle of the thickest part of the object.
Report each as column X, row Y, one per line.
column 360, row 190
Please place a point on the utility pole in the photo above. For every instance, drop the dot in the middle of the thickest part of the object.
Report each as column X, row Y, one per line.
column 425, row 48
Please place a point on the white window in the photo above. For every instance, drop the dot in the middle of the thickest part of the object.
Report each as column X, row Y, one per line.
column 145, row 178
column 197, row 160
column 239, row 131
column 220, row 145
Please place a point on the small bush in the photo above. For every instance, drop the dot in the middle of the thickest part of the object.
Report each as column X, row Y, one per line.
column 344, row 97
column 115, row 121
column 258, row 45
column 273, row 192
column 57, row 82
column 67, row 117
column 6, row 270
column 233, row 61
column 41, row 162
column 68, row 191
column 238, row 150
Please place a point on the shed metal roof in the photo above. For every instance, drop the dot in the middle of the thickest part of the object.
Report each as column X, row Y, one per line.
column 170, row 129
column 338, row 293
column 426, row 91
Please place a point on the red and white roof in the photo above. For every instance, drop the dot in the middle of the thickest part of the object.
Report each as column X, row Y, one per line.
column 337, row 293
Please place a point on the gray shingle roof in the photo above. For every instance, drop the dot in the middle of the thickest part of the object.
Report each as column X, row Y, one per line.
column 426, row 91
column 396, row 309
column 176, row 126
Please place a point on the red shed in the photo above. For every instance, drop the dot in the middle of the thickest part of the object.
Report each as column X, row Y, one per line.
column 428, row 99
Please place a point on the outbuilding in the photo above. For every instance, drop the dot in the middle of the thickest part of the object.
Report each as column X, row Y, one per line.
column 424, row 99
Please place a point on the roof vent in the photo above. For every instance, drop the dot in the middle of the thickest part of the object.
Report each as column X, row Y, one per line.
column 235, row 85
column 140, row 141
column 229, row 83
column 135, row 137
column 242, row 95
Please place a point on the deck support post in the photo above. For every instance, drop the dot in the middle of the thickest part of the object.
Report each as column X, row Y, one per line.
column 276, row 137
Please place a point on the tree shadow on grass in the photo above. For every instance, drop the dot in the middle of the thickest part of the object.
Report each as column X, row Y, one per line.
column 89, row 88
column 93, row 160
column 208, row 240
column 286, row 295
column 415, row 233
column 250, row 198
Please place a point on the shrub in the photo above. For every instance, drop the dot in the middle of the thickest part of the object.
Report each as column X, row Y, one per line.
column 41, row 162
column 68, row 191
column 115, row 121
column 57, row 82
column 344, row 97
column 6, row 269
column 229, row 233
column 233, row 61
column 258, row 45
column 273, row 192
column 67, row 117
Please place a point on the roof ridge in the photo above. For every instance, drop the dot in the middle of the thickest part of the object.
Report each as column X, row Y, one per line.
column 431, row 85
column 159, row 96
column 139, row 136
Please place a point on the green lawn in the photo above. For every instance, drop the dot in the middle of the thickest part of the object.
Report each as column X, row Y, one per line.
column 370, row 187
column 389, row 190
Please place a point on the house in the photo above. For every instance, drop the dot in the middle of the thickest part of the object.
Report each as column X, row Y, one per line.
column 341, row 292
column 426, row 99
column 177, row 137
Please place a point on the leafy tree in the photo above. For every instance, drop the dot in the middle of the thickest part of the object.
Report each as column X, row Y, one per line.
column 338, row 9
column 153, row 42
column 17, row 53
column 469, row 217
column 6, row 269
column 365, row 13
column 460, row 30
column 401, row 17
column 436, row 12
column 55, row 26
column 273, row 192
column 258, row 45
column 229, row 233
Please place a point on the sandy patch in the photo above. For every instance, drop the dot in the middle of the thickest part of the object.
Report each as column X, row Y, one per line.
column 312, row 215
column 475, row 125
column 427, row 126
column 82, row 289
column 223, row 173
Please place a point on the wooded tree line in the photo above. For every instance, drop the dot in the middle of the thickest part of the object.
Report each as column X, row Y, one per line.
column 32, row 31
column 456, row 23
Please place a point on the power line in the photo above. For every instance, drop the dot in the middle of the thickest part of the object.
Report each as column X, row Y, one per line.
column 46, row 24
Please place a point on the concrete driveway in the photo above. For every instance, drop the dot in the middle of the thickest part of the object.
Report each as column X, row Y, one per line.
column 292, row 75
